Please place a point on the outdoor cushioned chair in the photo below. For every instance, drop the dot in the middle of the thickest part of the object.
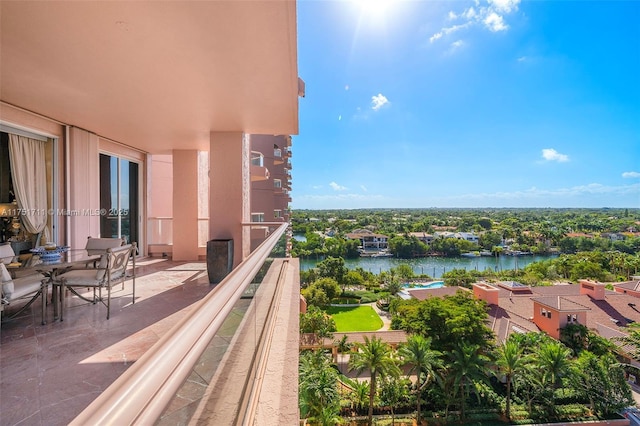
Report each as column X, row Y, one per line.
column 111, row 270
column 28, row 287
column 6, row 253
column 100, row 245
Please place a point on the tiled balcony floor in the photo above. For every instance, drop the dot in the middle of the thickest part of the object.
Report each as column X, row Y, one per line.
column 50, row 373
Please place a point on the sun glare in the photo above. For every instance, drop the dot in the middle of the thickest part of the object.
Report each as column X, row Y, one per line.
column 374, row 8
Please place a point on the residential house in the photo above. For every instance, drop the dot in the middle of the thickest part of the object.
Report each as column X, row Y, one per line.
column 518, row 308
column 369, row 240
column 423, row 236
column 467, row 236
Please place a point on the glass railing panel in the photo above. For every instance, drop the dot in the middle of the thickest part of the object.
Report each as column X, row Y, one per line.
column 204, row 369
column 257, row 159
column 219, row 381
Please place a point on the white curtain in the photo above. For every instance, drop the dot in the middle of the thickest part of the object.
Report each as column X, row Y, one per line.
column 29, row 174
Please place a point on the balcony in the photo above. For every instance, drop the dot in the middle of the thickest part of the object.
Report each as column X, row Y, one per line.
column 258, row 171
column 277, row 156
column 71, row 371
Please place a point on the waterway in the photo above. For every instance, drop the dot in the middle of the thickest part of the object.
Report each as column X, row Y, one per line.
column 434, row 266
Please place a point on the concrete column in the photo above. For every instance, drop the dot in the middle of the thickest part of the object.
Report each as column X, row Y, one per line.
column 185, row 205
column 84, row 187
column 229, row 190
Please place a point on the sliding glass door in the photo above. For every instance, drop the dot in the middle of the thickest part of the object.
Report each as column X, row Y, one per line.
column 119, row 198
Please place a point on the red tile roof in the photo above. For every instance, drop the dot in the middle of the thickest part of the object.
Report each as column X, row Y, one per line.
column 629, row 285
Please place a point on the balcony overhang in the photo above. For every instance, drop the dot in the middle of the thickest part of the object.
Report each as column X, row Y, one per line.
column 154, row 75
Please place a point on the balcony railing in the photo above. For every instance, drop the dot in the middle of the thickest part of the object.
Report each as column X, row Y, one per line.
column 209, row 365
column 257, row 159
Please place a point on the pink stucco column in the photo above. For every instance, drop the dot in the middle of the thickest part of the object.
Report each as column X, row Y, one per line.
column 229, row 190
column 185, row 205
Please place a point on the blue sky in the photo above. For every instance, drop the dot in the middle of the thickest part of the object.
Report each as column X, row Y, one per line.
column 499, row 103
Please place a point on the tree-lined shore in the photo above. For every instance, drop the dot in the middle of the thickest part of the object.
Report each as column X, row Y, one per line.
column 452, row 368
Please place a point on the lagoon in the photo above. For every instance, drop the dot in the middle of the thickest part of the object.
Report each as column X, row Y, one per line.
column 434, row 266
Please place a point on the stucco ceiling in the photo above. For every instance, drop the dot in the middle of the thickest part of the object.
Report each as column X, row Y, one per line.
column 156, row 75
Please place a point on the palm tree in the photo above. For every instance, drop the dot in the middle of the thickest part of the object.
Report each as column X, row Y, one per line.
column 393, row 286
column 467, row 365
column 511, row 362
column 417, row 352
column 358, row 395
column 554, row 358
column 375, row 356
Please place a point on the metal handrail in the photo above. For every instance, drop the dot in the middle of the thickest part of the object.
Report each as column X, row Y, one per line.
column 140, row 394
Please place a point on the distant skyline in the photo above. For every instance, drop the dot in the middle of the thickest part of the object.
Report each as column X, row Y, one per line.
column 502, row 103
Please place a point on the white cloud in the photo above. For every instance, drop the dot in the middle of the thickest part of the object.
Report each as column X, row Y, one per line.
column 551, row 154
column 346, row 87
column 364, row 188
column 447, row 31
column 378, row 101
column 337, row 187
column 435, row 37
column 574, row 191
column 456, row 45
column 339, row 117
column 506, row 6
column 523, row 59
column 317, row 186
column 631, row 175
column 470, row 14
column 495, row 22
column 491, row 15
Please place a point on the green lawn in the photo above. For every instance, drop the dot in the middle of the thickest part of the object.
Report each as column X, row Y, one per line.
column 359, row 318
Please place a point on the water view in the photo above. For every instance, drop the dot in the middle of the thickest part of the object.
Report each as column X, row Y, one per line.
column 433, row 266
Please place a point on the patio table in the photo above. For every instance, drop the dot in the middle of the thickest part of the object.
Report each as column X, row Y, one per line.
column 51, row 268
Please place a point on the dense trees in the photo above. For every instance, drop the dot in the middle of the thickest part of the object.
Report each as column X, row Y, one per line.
column 451, row 354
column 318, row 390
column 318, row 322
column 537, row 230
column 533, row 370
column 445, row 320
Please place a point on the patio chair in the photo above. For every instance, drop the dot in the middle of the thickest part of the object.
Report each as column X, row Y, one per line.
column 100, row 245
column 6, row 253
column 28, row 287
column 111, row 270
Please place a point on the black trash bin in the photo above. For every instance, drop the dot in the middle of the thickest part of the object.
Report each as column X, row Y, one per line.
column 219, row 259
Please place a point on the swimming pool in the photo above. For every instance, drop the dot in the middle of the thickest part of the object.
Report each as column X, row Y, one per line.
column 431, row 284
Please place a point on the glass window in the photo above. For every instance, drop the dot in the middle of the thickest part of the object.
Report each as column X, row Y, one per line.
column 118, row 198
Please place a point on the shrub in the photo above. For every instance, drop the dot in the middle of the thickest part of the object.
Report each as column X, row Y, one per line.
column 345, row 301
column 367, row 296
